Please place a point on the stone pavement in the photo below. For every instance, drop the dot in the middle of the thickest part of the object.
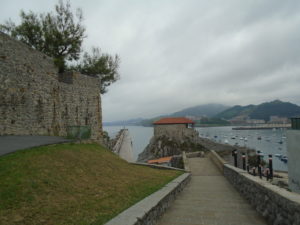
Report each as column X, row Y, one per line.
column 10, row 144
column 209, row 199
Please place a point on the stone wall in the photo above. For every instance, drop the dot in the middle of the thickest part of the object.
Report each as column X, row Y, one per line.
column 36, row 100
column 176, row 131
column 277, row 205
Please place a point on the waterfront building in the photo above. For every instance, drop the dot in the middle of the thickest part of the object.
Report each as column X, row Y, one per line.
column 177, row 128
column 293, row 150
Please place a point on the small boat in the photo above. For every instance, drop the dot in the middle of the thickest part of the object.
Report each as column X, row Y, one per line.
column 284, row 159
column 278, row 155
column 245, row 139
column 226, row 141
column 259, row 138
column 280, row 142
column 215, row 136
column 233, row 138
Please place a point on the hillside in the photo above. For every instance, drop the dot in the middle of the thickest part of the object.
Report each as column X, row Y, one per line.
column 275, row 108
column 207, row 110
column 236, row 110
column 72, row 184
column 262, row 111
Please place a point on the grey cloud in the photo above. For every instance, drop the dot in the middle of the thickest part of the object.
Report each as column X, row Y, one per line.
column 176, row 54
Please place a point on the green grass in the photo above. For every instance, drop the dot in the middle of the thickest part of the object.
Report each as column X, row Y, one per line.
column 72, row 184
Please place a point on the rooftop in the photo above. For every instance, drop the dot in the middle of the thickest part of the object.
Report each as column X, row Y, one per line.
column 177, row 120
column 160, row 160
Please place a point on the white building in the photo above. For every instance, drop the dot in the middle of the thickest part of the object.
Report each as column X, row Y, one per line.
column 293, row 150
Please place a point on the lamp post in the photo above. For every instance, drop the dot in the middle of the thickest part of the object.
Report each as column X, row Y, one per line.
column 259, row 163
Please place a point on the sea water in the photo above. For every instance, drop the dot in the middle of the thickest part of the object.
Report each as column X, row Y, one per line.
column 267, row 141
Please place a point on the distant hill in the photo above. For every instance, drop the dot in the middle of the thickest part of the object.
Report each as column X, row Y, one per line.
column 262, row 111
column 275, row 108
column 124, row 122
column 236, row 110
column 207, row 110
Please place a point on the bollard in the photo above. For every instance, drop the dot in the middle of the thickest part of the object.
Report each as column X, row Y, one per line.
column 235, row 157
column 271, row 166
column 258, row 164
column 253, row 171
column 244, row 161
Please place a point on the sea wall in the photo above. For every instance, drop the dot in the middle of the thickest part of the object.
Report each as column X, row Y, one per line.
column 276, row 204
column 36, row 100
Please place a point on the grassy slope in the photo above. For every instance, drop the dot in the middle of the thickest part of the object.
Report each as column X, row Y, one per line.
column 71, row 184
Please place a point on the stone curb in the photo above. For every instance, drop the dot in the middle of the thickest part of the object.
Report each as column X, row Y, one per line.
column 158, row 166
column 148, row 210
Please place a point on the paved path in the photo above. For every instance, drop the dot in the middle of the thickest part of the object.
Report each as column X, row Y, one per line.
column 126, row 151
column 10, row 144
column 209, row 199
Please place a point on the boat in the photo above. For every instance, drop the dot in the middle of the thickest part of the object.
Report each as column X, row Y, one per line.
column 280, row 142
column 259, row 138
column 284, row 159
column 226, row 141
column 278, row 155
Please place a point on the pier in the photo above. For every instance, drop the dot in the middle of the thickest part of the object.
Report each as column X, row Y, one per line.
column 123, row 146
column 263, row 126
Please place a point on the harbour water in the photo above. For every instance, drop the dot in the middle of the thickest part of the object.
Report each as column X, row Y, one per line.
column 267, row 141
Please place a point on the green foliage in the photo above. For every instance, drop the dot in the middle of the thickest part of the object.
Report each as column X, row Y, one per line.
column 72, row 184
column 275, row 108
column 262, row 111
column 236, row 111
column 58, row 34
column 101, row 65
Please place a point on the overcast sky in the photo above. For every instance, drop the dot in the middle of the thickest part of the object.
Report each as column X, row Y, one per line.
column 180, row 53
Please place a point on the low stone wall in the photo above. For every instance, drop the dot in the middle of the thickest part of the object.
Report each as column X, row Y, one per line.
column 217, row 160
column 277, row 205
column 149, row 210
column 155, row 166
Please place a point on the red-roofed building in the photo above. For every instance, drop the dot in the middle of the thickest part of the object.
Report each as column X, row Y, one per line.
column 175, row 128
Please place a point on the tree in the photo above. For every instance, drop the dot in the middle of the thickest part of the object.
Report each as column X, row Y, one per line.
column 59, row 34
column 101, row 65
